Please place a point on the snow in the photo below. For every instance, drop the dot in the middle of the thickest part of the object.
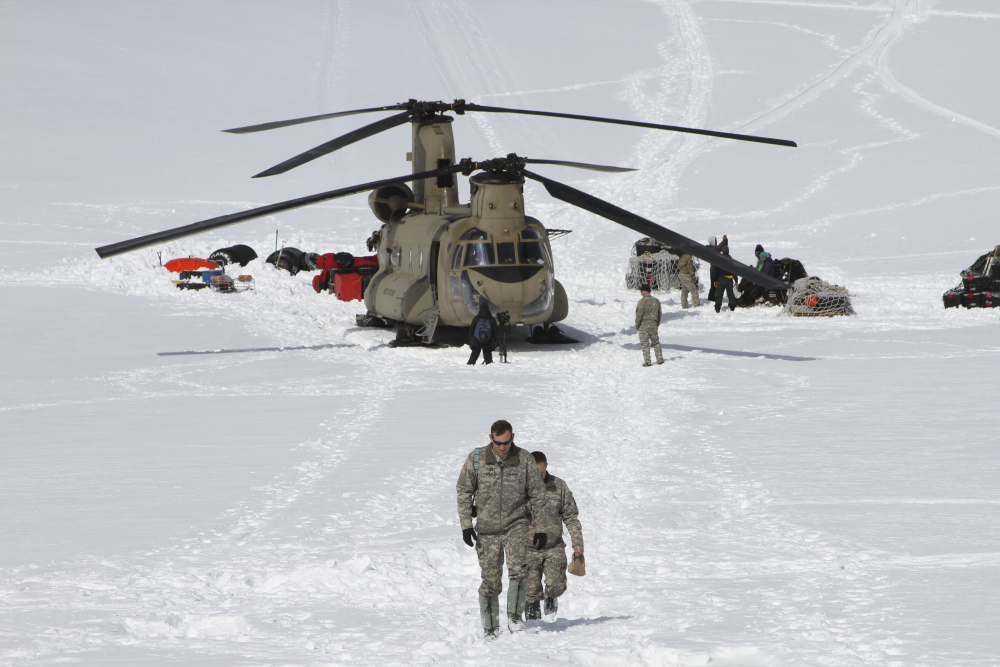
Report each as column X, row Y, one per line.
column 784, row 491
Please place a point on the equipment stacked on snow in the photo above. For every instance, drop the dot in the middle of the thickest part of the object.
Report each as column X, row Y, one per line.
column 194, row 273
column 293, row 260
column 814, row 297
column 786, row 270
column 345, row 275
column 235, row 254
column 980, row 286
column 653, row 263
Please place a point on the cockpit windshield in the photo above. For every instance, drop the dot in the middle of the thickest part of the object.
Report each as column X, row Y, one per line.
column 479, row 254
column 531, row 252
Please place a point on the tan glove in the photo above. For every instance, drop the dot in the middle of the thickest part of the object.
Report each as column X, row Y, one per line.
column 578, row 566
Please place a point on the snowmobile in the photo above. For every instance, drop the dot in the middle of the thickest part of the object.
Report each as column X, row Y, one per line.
column 655, row 264
column 980, row 286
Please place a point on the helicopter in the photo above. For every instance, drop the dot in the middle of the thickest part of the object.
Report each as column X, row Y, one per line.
column 439, row 258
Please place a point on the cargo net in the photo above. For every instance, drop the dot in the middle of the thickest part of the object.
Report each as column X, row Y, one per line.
column 812, row 297
column 659, row 271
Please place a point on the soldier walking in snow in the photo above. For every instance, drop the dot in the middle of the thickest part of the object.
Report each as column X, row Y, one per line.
column 686, row 274
column 501, row 486
column 560, row 508
column 483, row 334
column 647, row 322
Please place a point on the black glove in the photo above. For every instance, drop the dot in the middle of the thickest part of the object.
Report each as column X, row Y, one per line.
column 539, row 540
column 469, row 535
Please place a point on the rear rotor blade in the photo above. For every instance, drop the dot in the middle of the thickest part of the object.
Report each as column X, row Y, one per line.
column 580, row 165
column 308, row 119
column 233, row 218
column 654, row 231
column 654, row 126
column 338, row 143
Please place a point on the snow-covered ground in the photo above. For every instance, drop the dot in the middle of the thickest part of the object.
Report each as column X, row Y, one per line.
column 784, row 491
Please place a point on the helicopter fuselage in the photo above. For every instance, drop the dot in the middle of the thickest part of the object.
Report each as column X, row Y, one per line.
column 442, row 259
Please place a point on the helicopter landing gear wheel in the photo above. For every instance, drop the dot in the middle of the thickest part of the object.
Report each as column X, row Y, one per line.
column 549, row 334
column 405, row 337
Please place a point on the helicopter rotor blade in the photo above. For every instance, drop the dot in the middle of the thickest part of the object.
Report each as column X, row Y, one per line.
column 233, row 218
column 581, row 165
column 308, row 119
column 651, row 229
column 674, row 128
column 338, row 143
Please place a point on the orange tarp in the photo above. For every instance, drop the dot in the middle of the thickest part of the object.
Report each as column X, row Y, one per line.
column 189, row 264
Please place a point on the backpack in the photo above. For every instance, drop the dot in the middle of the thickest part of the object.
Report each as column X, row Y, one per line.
column 483, row 331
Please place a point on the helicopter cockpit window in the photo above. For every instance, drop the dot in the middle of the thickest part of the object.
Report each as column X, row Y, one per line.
column 474, row 234
column 456, row 258
column 479, row 254
column 531, row 252
column 505, row 253
column 530, row 233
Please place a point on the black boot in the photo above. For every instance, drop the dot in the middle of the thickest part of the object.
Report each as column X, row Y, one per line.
column 533, row 611
column 551, row 605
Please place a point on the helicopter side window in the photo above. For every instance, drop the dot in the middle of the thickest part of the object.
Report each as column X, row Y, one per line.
column 474, row 234
column 456, row 258
column 410, row 262
column 420, row 261
column 505, row 253
column 531, row 252
column 479, row 254
column 394, row 257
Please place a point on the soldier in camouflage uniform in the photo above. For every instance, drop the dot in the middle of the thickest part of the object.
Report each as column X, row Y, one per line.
column 647, row 321
column 560, row 508
column 501, row 486
column 686, row 274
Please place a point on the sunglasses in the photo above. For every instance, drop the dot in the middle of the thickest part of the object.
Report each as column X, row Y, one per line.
column 504, row 443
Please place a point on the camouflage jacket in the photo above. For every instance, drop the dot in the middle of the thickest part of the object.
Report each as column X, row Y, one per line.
column 685, row 264
column 560, row 508
column 503, row 491
column 647, row 312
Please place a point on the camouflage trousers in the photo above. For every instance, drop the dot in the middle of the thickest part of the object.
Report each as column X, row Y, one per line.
column 650, row 336
column 551, row 563
column 688, row 284
column 491, row 548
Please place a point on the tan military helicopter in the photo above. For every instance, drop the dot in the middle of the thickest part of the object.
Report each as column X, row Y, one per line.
column 439, row 258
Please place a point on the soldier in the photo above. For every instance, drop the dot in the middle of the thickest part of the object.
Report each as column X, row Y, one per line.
column 560, row 508
column 501, row 486
column 647, row 322
column 713, row 244
column 723, row 282
column 685, row 271
column 483, row 334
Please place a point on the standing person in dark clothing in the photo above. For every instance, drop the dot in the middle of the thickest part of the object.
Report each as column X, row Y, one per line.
column 723, row 282
column 483, row 335
column 713, row 245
